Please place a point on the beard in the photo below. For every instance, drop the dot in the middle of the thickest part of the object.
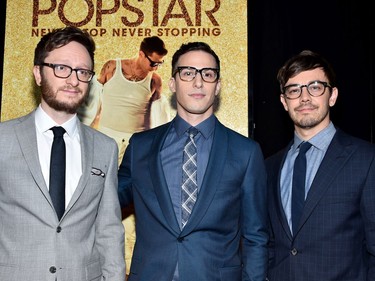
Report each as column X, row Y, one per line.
column 308, row 122
column 49, row 96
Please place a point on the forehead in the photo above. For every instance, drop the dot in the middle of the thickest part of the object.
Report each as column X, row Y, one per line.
column 198, row 59
column 305, row 77
column 155, row 56
column 73, row 54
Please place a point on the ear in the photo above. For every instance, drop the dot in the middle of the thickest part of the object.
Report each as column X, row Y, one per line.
column 218, row 87
column 283, row 101
column 172, row 85
column 37, row 75
column 333, row 97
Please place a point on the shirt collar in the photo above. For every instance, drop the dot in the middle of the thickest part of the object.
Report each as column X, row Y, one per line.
column 44, row 122
column 321, row 140
column 206, row 127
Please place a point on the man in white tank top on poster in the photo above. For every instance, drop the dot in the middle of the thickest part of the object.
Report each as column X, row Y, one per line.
column 120, row 104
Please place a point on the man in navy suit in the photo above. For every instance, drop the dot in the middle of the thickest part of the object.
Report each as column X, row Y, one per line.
column 225, row 237
column 334, row 237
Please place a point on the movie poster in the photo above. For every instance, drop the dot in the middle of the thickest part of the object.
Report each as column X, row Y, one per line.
column 118, row 27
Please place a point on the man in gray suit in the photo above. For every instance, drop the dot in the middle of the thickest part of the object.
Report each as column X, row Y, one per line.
column 85, row 239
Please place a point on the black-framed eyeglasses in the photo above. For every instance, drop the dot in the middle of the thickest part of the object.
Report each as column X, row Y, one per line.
column 64, row 71
column 314, row 88
column 188, row 73
column 153, row 63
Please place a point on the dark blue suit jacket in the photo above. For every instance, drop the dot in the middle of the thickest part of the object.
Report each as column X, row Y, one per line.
column 336, row 236
column 230, row 212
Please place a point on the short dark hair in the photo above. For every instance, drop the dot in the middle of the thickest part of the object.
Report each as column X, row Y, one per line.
column 153, row 44
column 61, row 37
column 304, row 61
column 193, row 46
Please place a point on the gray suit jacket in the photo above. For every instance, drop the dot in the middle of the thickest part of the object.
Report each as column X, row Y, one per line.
column 88, row 242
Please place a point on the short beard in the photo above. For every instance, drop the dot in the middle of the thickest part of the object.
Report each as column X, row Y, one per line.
column 49, row 96
column 311, row 122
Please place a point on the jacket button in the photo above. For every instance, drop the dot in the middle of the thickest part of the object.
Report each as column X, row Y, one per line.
column 52, row 269
column 294, row 252
column 180, row 239
column 58, row 229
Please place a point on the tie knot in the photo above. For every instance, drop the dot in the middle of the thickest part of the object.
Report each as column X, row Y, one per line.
column 304, row 147
column 58, row 131
column 192, row 132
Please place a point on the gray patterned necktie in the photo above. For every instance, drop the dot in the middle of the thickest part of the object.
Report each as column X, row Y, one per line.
column 189, row 188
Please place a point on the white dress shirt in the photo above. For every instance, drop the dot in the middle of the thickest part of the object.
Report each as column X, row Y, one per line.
column 44, row 135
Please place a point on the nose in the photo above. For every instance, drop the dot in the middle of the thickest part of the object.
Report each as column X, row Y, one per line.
column 73, row 78
column 305, row 95
column 198, row 80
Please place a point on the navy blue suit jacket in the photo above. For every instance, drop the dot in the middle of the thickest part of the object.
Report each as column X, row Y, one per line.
column 336, row 236
column 230, row 212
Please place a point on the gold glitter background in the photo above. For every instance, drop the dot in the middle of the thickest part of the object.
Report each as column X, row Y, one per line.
column 20, row 94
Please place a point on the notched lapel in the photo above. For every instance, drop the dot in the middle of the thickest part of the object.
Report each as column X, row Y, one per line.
column 211, row 178
column 280, row 209
column 336, row 157
column 158, row 178
column 87, row 154
column 26, row 135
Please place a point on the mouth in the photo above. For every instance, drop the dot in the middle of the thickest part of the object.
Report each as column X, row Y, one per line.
column 197, row 95
column 71, row 91
column 304, row 109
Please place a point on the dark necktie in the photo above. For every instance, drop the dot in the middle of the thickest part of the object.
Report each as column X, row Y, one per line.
column 189, row 188
column 298, row 185
column 57, row 171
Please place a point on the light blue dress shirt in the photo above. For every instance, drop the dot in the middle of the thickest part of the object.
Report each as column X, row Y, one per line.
column 314, row 157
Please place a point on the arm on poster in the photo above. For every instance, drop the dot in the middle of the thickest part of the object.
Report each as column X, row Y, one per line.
column 160, row 112
column 160, row 108
column 89, row 111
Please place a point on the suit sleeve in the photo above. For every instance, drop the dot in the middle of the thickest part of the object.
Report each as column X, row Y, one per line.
column 368, row 214
column 109, row 228
column 254, row 224
column 124, row 177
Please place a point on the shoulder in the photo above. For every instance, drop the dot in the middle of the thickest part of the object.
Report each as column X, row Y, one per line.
column 99, row 137
column 109, row 65
column 12, row 123
column 156, row 78
column 237, row 145
column 153, row 132
column 235, row 136
column 344, row 139
column 274, row 161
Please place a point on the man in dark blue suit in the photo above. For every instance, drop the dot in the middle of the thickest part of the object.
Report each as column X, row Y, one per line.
column 220, row 231
column 331, row 237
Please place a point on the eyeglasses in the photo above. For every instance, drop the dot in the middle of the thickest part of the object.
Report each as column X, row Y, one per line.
column 153, row 63
column 64, row 71
column 314, row 88
column 188, row 73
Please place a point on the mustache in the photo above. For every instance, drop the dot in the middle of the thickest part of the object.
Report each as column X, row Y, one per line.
column 306, row 106
column 69, row 88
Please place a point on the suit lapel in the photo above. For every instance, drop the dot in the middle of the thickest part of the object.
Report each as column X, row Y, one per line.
column 158, row 178
column 26, row 135
column 87, row 152
column 276, row 192
column 338, row 153
column 211, row 178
